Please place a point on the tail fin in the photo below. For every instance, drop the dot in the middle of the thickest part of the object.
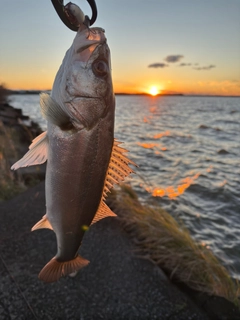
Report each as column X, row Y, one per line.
column 54, row 269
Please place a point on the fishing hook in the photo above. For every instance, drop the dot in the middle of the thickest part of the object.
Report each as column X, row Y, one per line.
column 62, row 13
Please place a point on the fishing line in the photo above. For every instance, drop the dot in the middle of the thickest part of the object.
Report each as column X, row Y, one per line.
column 145, row 180
column 18, row 287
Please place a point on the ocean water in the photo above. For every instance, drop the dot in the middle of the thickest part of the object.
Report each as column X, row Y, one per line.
column 188, row 153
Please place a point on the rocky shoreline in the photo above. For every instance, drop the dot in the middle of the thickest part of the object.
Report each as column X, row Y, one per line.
column 19, row 131
column 116, row 285
column 11, row 116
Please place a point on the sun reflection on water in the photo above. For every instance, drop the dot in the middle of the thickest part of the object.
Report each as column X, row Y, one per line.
column 173, row 192
column 162, row 134
column 148, row 145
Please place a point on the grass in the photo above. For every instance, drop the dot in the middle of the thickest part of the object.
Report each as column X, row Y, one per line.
column 161, row 239
column 11, row 182
column 13, row 145
column 3, row 94
column 14, row 141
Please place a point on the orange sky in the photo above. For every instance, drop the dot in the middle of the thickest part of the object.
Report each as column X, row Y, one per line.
column 186, row 47
column 171, row 79
column 144, row 83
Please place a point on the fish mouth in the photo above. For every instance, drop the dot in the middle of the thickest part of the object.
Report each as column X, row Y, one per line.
column 84, row 97
column 81, row 49
column 80, row 114
column 77, row 98
column 93, row 36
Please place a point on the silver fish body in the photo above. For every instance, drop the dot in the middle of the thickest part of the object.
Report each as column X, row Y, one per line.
column 84, row 160
column 76, row 171
column 78, row 158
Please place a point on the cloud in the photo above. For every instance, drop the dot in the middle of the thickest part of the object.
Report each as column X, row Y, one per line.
column 211, row 66
column 184, row 64
column 158, row 65
column 174, row 58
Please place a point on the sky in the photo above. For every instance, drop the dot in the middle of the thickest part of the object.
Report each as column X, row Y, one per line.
column 187, row 46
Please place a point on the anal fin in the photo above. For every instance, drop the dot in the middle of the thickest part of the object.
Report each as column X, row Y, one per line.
column 103, row 212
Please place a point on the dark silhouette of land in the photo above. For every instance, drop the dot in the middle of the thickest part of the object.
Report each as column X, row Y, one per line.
column 130, row 94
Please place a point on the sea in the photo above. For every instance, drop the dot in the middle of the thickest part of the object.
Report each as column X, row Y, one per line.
column 188, row 154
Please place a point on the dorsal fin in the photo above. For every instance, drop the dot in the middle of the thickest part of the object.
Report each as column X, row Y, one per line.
column 103, row 212
column 118, row 168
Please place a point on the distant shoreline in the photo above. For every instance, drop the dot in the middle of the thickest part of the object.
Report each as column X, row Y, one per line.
column 174, row 94
column 20, row 92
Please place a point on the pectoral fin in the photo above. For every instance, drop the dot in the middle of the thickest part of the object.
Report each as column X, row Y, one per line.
column 53, row 112
column 103, row 212
column 37, row 154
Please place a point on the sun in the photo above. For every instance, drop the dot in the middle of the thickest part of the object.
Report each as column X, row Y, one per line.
column 153, row 91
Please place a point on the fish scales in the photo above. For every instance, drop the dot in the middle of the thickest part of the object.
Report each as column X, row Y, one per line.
column 69, row 193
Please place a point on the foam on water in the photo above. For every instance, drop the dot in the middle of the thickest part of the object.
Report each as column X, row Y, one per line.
column 188, row 152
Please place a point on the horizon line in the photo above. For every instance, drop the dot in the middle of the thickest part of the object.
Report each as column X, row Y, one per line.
column 37, row 91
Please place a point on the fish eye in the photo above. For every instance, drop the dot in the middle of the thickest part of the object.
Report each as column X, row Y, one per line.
column 100, row 68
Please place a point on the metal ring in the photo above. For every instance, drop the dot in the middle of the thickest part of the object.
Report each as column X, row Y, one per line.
column 59, row 7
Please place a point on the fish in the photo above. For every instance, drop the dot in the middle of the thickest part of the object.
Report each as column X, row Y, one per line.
column 84, row 160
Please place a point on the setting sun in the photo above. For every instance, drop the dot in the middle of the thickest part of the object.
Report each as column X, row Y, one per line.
column 154, row 91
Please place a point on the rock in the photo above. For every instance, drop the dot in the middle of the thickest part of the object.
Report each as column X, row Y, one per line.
column 222, row 151
column 13, row 117
column 17, row 131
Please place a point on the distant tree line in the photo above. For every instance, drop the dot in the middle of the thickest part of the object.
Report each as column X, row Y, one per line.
column 4, row 92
